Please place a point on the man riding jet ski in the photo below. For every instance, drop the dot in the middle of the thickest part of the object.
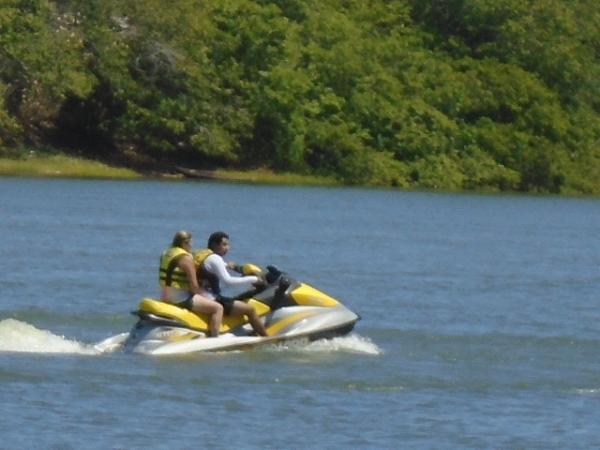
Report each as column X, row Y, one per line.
column 212, row 271
column 289, row 309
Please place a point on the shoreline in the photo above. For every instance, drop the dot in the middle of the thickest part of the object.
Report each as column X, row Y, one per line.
column 65, row 166
column 60, row 165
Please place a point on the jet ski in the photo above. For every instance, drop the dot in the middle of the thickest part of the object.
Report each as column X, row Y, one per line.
column 289, row 309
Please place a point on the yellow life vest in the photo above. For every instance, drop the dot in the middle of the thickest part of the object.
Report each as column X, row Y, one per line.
column 205, row 279
column 169, row 273
column 201, row 255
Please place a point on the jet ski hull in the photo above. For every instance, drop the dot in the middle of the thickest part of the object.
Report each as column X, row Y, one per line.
column 153, row 337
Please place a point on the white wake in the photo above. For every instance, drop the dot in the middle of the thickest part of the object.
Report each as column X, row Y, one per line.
column 17, row 336
column 352, row 343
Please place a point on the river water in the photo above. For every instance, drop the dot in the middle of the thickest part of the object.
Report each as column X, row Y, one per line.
column 480, row 319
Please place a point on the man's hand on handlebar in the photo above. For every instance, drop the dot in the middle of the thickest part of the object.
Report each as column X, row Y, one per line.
column 260, row 283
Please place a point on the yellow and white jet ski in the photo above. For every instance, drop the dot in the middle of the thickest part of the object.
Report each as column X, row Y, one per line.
column 289, row 309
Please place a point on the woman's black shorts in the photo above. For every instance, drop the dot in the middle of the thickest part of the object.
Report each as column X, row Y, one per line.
column 226, row 302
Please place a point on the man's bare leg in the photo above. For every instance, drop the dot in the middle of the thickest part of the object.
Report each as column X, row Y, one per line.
column 243, row 309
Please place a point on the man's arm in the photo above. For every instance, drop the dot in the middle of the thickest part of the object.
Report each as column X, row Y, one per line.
column 216, row 265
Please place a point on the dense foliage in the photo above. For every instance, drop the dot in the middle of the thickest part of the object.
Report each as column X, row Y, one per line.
column 453, row 94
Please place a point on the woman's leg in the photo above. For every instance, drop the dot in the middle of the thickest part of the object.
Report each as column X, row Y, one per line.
column 205, row 305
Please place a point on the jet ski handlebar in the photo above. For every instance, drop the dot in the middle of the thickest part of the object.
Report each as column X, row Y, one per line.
column 271, row 276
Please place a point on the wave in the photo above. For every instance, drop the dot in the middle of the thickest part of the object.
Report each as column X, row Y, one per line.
column 352, row 343
column 591, row 392
column 17, row 336
column 51, row 317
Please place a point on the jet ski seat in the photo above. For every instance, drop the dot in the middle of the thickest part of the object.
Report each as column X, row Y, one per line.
column 192, row 320
column 163, row 309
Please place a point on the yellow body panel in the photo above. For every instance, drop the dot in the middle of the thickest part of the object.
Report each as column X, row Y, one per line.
column 193, row 320
column 309, row 296
column 250, row 269
column 280, row 325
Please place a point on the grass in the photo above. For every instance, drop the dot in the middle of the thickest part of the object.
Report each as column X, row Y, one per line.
column 266, row 176
column 62, row 166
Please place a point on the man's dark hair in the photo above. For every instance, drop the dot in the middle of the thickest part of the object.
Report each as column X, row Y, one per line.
column 216, row 238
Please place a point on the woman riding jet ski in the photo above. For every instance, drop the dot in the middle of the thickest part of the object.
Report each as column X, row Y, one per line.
column 289, row 310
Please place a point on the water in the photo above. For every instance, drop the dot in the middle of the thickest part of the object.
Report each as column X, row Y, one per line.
column 479, row 319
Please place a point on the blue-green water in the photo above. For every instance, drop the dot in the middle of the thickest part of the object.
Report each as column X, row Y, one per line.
column 479, row 319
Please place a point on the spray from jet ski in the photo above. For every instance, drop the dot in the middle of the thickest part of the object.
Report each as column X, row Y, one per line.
column 17, row 336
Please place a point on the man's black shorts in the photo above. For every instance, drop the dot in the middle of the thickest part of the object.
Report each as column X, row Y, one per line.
column 227, row 303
